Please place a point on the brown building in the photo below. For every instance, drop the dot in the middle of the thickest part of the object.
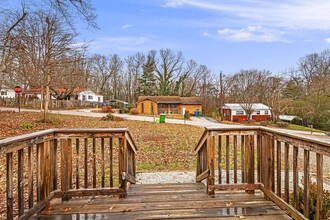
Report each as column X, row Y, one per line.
column 168, row 104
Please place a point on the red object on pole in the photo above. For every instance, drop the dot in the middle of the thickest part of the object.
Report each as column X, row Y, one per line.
column 17, row 89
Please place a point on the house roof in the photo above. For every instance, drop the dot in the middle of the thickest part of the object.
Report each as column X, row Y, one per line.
column 38, row 90
column 191, row 100
column 172, row 100
column 288, row 117
column 238, row 106
column 119, row 101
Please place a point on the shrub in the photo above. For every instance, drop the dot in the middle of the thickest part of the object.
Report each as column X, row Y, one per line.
column 50, row 119
column 235, row 120
column 186, row 115
column 134, row 111
column 264, row 123
column 26, row 125
column 110, row 117
column 107, row 109
column 282, row 124
column 312, row 201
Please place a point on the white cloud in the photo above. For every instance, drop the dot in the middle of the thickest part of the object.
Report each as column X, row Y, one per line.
column 126, row 26
column 123, row 43
column 173, row 3
column 289, row 14
column 251, row 33
column 327, row 40
column 124, row 40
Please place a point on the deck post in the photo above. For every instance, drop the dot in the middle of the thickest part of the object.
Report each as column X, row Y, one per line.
column 267, row 166
column 66, row 166
column 123, row 164
column 319, row 188
column 249, row 160
column 210, row 164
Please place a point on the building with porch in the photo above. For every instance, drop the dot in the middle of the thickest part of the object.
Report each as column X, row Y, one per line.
column 168, row 104
column 77, row 94
column 236, row 112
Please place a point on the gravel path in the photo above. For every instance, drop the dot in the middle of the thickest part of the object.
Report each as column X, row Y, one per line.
column 190, row 177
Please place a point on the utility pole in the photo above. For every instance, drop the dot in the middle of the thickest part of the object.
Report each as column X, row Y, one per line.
column 221, row 97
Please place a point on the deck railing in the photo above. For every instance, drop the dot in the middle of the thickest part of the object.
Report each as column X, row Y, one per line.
column 65, row 163
column 250, row 158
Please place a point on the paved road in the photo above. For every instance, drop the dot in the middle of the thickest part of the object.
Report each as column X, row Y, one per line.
column 196, row 121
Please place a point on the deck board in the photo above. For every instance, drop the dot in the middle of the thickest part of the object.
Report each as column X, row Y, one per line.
column 166, row 201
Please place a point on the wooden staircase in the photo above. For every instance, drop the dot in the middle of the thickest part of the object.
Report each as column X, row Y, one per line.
column 167, row 201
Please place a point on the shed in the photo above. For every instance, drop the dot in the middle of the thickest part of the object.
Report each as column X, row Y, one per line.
column 290, row 118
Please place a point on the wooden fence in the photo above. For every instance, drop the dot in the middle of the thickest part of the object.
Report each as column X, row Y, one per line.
column 53, row 104
column 65, row 163
column 250, row 158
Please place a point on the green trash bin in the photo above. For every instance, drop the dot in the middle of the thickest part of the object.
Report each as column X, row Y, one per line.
column 162, row 118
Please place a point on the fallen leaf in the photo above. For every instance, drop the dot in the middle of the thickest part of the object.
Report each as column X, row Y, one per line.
column 67, row 209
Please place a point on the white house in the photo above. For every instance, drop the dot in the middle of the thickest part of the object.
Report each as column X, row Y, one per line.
column 235, row 112
column 89, row 96
column 7, row 93
column 77, row 94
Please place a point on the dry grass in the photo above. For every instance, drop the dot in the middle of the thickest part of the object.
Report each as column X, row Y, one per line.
column 161, row 146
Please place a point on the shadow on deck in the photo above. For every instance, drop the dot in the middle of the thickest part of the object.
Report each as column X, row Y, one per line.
column 166, row 201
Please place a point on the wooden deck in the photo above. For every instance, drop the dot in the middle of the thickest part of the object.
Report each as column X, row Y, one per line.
column 166, row 201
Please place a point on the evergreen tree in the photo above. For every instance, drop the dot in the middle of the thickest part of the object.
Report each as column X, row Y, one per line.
column 147, row 81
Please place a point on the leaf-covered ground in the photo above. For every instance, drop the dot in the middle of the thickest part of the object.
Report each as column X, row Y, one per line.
column 161, row 146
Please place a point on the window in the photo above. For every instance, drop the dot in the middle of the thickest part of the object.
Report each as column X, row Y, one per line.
column 3, row 92
column 173, row 105
column 99, row 99
column 266, row 112
column 257, row 112
column 239, row 112
column 161, row 106
column 90, row 97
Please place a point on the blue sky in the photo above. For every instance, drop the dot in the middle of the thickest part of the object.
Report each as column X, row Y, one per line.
column 224, row 35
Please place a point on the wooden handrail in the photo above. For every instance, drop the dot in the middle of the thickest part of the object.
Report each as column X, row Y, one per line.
column 261, row 149
column 66, row 153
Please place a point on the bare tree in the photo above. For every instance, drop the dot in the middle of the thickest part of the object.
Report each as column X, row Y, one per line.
column 69, row 76
column 7, row 39
column 207, row 90
column 116, row 70
column 245, row 87
column 46, row 42
column 100, row 74
column 70, row 8
column 168, row 69
column 134, row 71
column 275, row 98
